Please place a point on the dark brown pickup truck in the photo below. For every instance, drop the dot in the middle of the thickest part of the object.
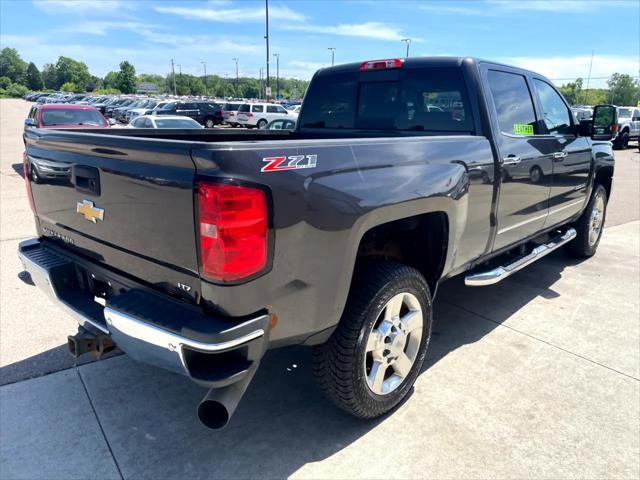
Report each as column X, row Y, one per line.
column 198, row 250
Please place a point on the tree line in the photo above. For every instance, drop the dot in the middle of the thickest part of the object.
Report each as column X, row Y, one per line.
column 623, row 90
column 17, row 77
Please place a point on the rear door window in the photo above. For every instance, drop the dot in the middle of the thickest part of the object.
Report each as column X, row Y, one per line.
column 513, row 103
column 425, row 99
column 257, row 108
column 244, row 108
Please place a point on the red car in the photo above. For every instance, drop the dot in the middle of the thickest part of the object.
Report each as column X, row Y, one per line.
column 65, row 116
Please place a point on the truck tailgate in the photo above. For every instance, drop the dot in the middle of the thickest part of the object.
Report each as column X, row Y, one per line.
column 129, row 206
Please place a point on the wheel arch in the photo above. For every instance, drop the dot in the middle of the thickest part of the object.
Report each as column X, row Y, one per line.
column 420, row 241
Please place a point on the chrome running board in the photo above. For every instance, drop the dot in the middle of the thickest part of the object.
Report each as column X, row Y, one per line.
column 498, row 274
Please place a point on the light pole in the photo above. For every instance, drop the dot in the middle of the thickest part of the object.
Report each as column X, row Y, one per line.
column 206, row 86
column 266, row 38
column 333, row 55
column 261, row 83
column 408, row 42
column 237, row 77
column 173, row 74
column 277, row 55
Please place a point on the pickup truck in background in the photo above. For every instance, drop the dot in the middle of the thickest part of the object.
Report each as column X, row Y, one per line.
column 198, row 250
column 628, row 127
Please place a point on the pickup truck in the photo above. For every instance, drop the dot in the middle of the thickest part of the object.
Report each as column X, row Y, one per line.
column 198, row 250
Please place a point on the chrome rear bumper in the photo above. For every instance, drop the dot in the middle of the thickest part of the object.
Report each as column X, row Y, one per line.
column 147, row 325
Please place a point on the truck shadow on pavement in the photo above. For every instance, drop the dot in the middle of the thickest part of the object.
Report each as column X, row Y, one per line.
column 283, row 422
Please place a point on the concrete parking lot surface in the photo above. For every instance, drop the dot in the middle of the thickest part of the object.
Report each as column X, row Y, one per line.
column 538, row 376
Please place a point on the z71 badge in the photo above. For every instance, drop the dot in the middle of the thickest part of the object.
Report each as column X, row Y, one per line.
column 292, row 162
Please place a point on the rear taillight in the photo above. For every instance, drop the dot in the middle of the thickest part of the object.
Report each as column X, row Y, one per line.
column 248, row 114
column 382, row 64
column 233, row 231
column 27, row 175
column 615, row 128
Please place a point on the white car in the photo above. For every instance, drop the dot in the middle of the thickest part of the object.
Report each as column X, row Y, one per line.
column 163, row 121
column 253, row 115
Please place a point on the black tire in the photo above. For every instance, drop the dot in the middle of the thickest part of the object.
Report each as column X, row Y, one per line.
column 339, row 365
column 622, row 142
column 261, row 123
column 582, row 246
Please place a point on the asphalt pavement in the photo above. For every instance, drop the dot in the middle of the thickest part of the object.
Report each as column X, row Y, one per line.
column 536, row 377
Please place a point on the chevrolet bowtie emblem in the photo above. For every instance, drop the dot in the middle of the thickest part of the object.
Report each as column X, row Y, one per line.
column 90, row 211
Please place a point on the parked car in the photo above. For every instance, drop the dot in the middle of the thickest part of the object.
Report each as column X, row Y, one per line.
column 281, row 124
column 65, row 116
column 144, row 109
column 582, row 113
column 252, row 115
column 118, row 103
column 59, row 116
column 628, row 127
column 163, row 121
column 197, row 251
column 208, row 114
column 230, row 111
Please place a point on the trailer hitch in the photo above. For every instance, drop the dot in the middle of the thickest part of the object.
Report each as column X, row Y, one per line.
column 87, row 342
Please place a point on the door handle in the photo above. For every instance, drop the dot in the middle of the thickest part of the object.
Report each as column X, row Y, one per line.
column 559, row 156
column 511, row 160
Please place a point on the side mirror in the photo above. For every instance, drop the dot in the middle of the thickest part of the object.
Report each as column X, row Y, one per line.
column 605, row 122
column 29, row 122
column 112, row 121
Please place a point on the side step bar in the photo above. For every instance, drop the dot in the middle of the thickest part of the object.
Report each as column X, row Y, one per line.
column 498, row 274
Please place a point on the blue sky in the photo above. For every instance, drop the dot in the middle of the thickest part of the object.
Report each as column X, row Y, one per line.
column 553, row 37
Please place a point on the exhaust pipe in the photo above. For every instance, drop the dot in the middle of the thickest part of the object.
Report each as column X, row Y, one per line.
column 218, row 404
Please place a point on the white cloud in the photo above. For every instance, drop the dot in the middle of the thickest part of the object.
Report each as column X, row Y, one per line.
column 80, row 6
column 572, row 6
column 373, row 30
column 565, row 69
column 234, row 15
column 302, row 69
column 98, row 27
column 446, row 9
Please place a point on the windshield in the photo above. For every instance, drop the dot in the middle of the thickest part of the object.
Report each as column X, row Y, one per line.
column 624, row 112
column 176, row 123
column 73, row 116
column 428, row 99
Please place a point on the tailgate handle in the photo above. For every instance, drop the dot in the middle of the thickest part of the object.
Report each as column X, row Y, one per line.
column 87, row 179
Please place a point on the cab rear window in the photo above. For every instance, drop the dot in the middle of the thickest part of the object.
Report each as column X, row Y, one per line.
column 427, row 99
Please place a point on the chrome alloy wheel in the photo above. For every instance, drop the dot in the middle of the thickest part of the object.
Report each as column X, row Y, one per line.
column 595, row 221
column 393, row 343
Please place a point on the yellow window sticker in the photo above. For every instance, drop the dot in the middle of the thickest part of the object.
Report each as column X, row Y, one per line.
column 522, row 129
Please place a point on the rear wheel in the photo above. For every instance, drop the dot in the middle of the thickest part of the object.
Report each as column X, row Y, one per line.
column 590, row 225
column 262, row 123
column 371, row 361
column 209, row 123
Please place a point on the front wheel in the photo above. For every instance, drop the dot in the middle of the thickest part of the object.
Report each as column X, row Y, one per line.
column 590, row 225
column 622, row 142
column 374, row 356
